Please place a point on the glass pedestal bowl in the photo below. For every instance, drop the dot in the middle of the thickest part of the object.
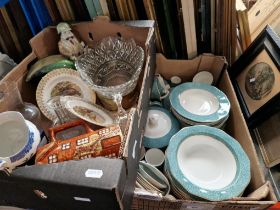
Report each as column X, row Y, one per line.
column 112, row 70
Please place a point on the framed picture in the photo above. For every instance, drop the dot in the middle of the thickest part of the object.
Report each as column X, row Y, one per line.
column 256, row 78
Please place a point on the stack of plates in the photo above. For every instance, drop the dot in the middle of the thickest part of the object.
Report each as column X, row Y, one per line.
column 199, row 104
column 203, row 162
column 151, row 179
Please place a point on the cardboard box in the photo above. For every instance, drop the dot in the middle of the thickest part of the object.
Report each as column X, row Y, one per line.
column 67, row 185
column 236, row 127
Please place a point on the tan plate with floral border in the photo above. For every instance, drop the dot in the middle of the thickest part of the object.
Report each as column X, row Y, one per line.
column 61, row 82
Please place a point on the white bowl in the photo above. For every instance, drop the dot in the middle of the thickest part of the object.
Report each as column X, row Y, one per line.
column 206, row 162
column 199, row 102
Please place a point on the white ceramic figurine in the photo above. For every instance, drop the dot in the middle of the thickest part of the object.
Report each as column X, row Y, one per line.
column 69, row 45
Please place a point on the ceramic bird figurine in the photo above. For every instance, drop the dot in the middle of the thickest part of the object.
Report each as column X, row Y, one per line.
column 68, row 44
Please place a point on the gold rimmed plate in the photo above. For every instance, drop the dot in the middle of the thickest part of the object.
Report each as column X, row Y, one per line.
column 61, row 82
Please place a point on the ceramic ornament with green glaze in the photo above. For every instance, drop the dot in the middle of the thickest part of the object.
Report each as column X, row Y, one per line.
column 48, row 64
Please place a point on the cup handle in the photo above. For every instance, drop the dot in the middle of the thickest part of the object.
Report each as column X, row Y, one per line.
column 165, row 95
column 155, row 103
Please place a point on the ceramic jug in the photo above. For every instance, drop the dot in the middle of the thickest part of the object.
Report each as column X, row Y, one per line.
column 19, row 140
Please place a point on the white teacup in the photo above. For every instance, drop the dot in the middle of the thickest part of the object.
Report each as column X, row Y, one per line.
column 155, row 157
column 19, row 140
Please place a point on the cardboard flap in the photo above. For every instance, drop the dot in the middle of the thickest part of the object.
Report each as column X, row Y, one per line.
column 45, row 43
column 186, row 69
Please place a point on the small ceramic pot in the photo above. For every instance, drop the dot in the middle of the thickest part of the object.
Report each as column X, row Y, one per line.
column 21, row 140
column 160, row 88
column 160, row 127
column 175, row 80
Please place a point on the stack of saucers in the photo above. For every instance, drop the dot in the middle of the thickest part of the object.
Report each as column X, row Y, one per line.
column 205, row 163
column 151, row 179
column 199, row 104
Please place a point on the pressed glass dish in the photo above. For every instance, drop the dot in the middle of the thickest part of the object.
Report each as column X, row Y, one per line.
column 112, row 69
column 113, row 66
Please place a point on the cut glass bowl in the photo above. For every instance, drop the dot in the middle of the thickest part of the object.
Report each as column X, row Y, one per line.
column 112, row 67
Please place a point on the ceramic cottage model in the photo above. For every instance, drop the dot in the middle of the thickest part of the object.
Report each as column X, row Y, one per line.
column 69, row 45
column 107, row 142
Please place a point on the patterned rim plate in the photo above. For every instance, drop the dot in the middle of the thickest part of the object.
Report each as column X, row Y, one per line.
column 89, row 112
column 233, row 187
column 179, row 92
column 61, row 82
column 186, row 122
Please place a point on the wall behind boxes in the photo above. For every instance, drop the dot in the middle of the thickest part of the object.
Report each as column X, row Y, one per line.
column 183, row 28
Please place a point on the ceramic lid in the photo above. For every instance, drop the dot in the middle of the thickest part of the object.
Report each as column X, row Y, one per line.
column 160, row 126
column 227, row 165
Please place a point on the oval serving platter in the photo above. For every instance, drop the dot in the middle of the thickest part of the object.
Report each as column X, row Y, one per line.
column 61, row 82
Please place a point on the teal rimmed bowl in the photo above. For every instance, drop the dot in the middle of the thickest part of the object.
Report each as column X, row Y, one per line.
column 208, row 163
column 200, row 102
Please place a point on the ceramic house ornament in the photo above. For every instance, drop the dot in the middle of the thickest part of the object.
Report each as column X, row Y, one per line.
column 106, row 142
column 69, row 45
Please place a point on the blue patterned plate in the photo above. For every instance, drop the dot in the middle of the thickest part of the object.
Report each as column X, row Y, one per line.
column 200, row 102
column 207, row 163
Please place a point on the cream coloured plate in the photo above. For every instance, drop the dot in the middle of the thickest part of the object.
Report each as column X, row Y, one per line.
column 61, row 82
column 89, row 112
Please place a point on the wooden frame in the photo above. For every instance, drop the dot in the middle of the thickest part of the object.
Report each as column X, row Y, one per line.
column 266, row 50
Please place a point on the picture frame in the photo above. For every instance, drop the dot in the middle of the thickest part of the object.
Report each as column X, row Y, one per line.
column 255, row 76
